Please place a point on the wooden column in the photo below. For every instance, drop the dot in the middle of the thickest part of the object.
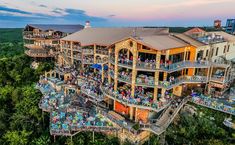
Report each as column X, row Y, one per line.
column 102, row 77
column 109, row 64
column 71, row 49
column 82, row 61
column 116, row 70
column 134, row 72
column 131, row 113
column 94, row 54
column 185, row 52
column 156, row 75
column 136, row 115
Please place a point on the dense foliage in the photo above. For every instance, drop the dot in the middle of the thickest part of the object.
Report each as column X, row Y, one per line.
column 22, row 122
column 205, row 127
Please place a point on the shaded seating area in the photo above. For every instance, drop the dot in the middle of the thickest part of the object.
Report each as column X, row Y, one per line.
column 53, row 99
column 64, row 122
column 213, row 103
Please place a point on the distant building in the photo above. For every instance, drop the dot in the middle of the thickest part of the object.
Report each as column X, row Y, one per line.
column 217, row 24
column 230, row 26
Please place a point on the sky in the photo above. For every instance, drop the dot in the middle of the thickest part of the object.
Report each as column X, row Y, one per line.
column 115, row 13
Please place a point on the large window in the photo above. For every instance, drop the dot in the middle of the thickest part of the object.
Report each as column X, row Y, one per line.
column 224, row 48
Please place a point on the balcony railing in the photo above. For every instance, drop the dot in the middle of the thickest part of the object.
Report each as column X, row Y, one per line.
column 88, row 51
column 38, row 53
column 100, row 61
column 91, row 94
column 184, row 64
column 88, row 61
column 31, row 35
column 102, row 52
column 77, row 57
column 77, row 48
column 182, row 80
column 136, row 102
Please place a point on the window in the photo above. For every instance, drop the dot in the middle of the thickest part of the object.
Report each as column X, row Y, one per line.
column 224, row 48
column 207, row 51
column 217, row 49
column 228, row 48
column 212, row 52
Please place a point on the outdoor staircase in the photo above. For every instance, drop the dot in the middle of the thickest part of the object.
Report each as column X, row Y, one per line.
column 165, row 119
column 65, row 58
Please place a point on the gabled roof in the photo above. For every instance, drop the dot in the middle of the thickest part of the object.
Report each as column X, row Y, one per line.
column 162, row 42
column 194, row 30
column 189, row 39
column 61, row 28
column 107, row 36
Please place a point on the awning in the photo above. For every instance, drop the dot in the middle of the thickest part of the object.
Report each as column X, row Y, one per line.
column 99, row 67
column 96, row 66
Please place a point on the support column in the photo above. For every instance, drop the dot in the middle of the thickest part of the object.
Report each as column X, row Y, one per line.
column 116, row 70
column 156, row 75
column 109, row 64
column 185, row 52
column 131, row 113
column 163, row 89
column 71, row 49
column 225, row 74
column 136, row 114
column 94, row 54
column 82, row 61
column 156, row 78
column 102, row 77
column 134, row 72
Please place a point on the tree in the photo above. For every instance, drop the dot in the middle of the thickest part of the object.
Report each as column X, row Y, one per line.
column 17, row 137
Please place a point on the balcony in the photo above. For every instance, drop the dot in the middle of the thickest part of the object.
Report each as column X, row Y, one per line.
column 102, row 52
column 38, row 54
column 213, row 103
column 88, row 51
column 88, row 91
column 184, row 64
column 100, row 61
column 140, row 102
column 31, row 35
column 77, row 48
column 182, row 80
column 32, row 46
column 77, row 57
column 88, row 61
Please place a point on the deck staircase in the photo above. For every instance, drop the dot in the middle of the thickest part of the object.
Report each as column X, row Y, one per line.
column 65, row 58
column 165, row 119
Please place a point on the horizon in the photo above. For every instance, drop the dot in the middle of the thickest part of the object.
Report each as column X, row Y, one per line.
column 152, row 13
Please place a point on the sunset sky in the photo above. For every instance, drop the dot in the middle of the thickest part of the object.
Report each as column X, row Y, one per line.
column 17, row 13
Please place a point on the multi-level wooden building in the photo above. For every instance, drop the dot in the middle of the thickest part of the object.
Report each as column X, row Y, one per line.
column 42, row 41
column 143, row 69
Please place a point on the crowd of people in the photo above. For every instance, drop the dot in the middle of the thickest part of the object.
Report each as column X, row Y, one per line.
column 88, row 59
column 52, row 99
column 213, row 103
column 64, row 121
column 141, row 96
column 92, row 88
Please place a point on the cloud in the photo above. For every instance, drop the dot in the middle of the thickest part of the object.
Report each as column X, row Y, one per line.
column 110, row 16
column 44, row 6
